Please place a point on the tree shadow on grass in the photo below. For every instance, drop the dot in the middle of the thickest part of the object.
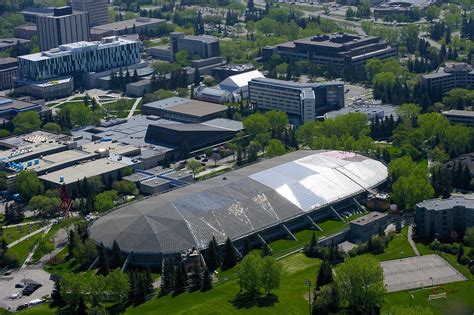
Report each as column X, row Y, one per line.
column 247, row 300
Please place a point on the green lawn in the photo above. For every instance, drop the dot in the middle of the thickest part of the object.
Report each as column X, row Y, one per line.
column 330, row 227
column 11, row 234
column 68, row 266
column 397, row 248
column 291, row 294
column 22, row 249
column 119, row 108
column 459, row 299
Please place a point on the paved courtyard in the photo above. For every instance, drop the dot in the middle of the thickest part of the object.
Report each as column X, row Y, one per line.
column 416, row 272
column 31, row 273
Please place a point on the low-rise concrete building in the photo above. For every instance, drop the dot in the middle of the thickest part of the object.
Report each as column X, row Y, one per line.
column 363, row 228
column 8, row 72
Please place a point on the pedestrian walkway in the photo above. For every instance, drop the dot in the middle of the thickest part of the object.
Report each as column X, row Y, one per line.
column 134, row 107
column 21, row 239
column 20, row 224
column 410, row 240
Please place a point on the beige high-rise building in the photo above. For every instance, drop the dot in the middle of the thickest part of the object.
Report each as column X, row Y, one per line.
column 98, row 10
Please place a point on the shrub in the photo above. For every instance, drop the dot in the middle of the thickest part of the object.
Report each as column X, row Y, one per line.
column 435, row 245
column 449, row 248
column 56, row 260
column 464, row 260
column 362, row 249
column 353, row 252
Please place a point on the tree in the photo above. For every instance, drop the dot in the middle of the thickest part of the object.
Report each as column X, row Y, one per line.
column 195, row 280
column 270, row 273
column 125, row 187
column 117, row 286
column 180, row 281
column 212, row 255
column 324, row 274
column 469, row 237
column 249, row 273
column 277, row 121
column 359, row 282
column 206, row 280
column 460, row 252
column 105, row 200
column 45, row 205
column 256, row 125
column 408, row 112
column 103, row 262
column 407, row 191
column 52, row 127
column 266, row 251
column 229, row 260
column 194, row 166
column 275, row 148
column 26, row 122
column 116, row 259
column 28, row 185
column 167, row 276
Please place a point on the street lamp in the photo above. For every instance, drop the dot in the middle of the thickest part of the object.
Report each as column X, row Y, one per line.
column 308, row 283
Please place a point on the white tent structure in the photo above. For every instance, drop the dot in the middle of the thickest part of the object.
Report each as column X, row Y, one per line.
column 240, row 82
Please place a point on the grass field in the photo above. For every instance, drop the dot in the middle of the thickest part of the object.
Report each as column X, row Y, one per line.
column 11, row 234
column 459, row 298
column 119, row 108
column 291, row 295
column 397, row 248
column 22, row 249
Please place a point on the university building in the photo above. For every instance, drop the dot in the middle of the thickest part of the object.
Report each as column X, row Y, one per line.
column 451, row 75
column 306, row 101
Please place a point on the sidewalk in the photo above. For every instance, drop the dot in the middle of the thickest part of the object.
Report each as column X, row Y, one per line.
column 410, row 240
column 21, row 239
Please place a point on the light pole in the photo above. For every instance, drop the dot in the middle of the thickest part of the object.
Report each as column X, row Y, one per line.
column 308, row 283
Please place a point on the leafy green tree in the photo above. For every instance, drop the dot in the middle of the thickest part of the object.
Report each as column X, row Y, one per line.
column 44, row 204
column 359, row 282
column 249, row 273
column 278, row 121
column 125, row 187
column 270, row 274
column 194, row 166
column 117, row 286
column 105, row 200
column 257, row 125
column 26, row 122
column 28, row 185
column 275, row 148
column 408, row 112
column 405, row 166
column 469, row 237
column 50, row 126
column 407, row 191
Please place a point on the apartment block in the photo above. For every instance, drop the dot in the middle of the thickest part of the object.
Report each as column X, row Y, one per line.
column 462, row 117
column 439, row 217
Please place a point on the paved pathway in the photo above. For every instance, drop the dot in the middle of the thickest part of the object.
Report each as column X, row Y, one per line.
column 134, row 107
column 60, row 241
column 21, row 239
column 410, row 240
column 21, row 224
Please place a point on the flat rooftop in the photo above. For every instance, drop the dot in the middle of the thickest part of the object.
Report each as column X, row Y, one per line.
column 448, row 203
column 44, row 163
column 34, row 138
column 8, row 42
column 369, row 110
column 460, row 113
column 187, row 106
column 154, row 182
column 7, row 60
column 78, row 172
column 113, row 147
column 120, row 25
column 11, row 103
column 369, row 218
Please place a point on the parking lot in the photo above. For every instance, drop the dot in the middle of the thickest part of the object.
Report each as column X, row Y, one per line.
column 417, row 272
column 30, row 274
